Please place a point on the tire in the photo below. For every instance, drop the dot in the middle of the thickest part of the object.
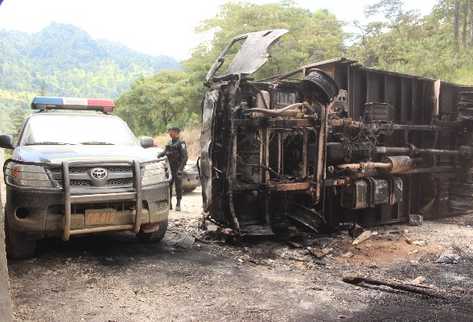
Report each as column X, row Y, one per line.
column 155, row 236
column 18, row 245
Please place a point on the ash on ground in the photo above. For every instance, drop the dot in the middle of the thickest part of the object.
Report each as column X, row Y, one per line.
column 190, row 277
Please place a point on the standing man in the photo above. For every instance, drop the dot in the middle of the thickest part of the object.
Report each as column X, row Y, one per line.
column 176, row 151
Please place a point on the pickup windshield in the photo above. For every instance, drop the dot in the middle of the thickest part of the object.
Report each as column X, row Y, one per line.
column 51, row 129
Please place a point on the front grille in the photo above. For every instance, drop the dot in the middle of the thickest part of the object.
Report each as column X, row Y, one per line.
column 78, row 170
column 120, row 182
column 56, row 174
column 83, row 183
column 118, row 176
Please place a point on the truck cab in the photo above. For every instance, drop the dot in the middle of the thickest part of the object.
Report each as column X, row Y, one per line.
column 76, row 169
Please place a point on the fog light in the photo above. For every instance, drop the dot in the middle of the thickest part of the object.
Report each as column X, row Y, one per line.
column 22, row 212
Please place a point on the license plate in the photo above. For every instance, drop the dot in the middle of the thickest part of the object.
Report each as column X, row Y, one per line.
column 98, row 217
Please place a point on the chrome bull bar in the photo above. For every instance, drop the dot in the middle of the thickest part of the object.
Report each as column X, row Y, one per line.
column 70, row 199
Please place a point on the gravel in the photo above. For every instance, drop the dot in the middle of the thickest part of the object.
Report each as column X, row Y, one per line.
column 112, row 277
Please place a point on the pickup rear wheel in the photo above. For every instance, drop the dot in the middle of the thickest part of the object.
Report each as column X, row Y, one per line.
column 155, row 236
column 18, row 245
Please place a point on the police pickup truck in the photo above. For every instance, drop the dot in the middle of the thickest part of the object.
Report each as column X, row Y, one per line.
column 76, row 170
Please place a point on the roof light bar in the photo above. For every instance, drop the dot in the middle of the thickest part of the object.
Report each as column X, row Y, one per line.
column 72, row 103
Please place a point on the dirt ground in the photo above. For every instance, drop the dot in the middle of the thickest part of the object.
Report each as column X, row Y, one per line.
column 112, row 277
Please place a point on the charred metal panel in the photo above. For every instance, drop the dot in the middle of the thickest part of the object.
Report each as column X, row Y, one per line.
column 344, row 143
column 206, row 165
column 416, row 101
column 253, row 53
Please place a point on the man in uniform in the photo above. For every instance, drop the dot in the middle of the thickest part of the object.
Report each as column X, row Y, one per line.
column 176, row 151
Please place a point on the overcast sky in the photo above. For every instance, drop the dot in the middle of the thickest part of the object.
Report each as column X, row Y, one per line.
column 150, row 26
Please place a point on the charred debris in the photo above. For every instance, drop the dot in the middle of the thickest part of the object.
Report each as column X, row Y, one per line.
column 330, row 143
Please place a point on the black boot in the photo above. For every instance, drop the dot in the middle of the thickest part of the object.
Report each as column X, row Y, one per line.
column 178, row 205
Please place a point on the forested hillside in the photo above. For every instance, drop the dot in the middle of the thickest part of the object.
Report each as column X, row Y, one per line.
column 65, row 61
column 437, row 45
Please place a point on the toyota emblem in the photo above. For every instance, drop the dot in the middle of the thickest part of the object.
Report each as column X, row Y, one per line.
column 98, row 173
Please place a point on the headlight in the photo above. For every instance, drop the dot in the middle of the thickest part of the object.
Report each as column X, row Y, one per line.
column 27, row 175
column 154, row 173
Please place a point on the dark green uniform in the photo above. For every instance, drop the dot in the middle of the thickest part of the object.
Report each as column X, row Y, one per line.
column 176, row 151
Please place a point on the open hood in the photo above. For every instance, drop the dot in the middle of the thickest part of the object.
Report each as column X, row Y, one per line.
column 252, row 55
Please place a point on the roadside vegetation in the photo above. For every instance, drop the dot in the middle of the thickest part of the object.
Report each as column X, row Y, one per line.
column 437, row 45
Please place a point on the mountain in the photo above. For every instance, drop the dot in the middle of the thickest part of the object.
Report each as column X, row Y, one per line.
column 63, row 60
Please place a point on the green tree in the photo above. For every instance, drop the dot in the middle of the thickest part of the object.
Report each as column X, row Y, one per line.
column 313, row 36
column 404, row 41
column 176, row 97
column 17, row 117
column 153, row 102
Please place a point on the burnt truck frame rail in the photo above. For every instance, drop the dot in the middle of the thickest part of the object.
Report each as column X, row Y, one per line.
column 330, row 143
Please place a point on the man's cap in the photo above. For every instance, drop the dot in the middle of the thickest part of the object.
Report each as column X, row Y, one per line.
column 174, row 128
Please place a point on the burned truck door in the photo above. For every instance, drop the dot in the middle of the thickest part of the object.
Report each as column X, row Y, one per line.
column 251, row 56
column 253, row 53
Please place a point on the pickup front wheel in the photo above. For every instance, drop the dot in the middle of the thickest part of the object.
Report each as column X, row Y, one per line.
column 155, row 236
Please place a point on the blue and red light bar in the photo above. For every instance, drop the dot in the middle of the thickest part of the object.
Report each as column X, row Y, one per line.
column 72, row 103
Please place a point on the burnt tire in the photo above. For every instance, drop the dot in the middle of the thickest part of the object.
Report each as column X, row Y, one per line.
column 18, row 245
column 155, row 236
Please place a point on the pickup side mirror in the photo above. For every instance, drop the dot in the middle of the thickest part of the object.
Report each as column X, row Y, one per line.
column 6, row 142
column 146, row 142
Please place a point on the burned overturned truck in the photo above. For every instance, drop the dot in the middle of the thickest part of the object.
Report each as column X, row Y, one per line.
column 332, row 142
